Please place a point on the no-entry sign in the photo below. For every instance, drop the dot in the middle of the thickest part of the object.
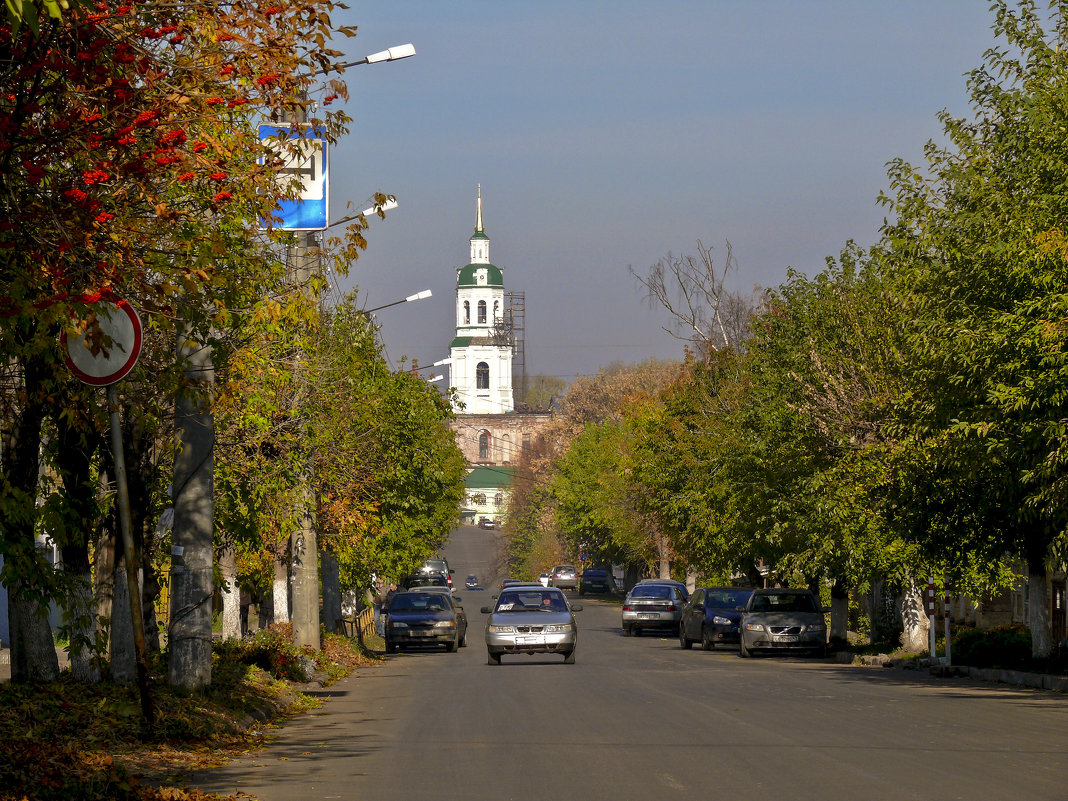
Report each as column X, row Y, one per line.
column 120, row 323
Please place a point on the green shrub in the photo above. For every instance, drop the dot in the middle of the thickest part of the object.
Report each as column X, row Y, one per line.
column 271, row 649
column 1006, row 647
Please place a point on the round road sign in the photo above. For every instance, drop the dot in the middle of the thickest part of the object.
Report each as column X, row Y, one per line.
column 120, row 323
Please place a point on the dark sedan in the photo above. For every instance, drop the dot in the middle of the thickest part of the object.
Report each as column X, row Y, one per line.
column 712, row 616
column 424, row 618
column 595, row 580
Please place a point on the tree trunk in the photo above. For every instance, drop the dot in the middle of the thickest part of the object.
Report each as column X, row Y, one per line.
column 231, row 594
column 123, row 653
column 331, row 591
column 191, row 561
column 665, row 556
column 305, row 572
column 913, row 618
column 33, row 653
column 839, row 631
column 104, row 570
column 280, row 590
column 1038, row 609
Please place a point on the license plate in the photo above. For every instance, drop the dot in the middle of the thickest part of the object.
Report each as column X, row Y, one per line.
column 648, row 616
column 787, row 637
column 422, row 634
column 530, row 641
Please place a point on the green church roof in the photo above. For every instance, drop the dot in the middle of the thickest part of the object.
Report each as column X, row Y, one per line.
column 479, row 235
column 466, row 275
column 487, row 477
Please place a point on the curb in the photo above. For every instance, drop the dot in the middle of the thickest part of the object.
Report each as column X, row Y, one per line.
column 1017, row 678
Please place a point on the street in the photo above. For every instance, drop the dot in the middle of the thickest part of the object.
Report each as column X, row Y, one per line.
column 639, row 718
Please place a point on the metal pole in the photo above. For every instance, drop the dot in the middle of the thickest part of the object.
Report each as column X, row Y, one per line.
column 131, row 562
column 931, row 616
column 949, row 619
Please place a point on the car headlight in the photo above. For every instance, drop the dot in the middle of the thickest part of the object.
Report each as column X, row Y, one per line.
column 445, row 624
column 502, row 629
column 558, row 629
column 721, row 621
column 753, row 627
column 397, row 624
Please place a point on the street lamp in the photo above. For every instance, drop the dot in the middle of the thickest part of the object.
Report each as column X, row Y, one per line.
column 426, row 293
column 393, row 54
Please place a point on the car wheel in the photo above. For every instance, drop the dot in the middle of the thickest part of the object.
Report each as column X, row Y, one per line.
column 391, row 648
column 463, row 640
column 626, row 631
column 743, row 652
column 493, row 659
column 569, row 657
column 683, row 642
column 706, row 640
column 637, row 632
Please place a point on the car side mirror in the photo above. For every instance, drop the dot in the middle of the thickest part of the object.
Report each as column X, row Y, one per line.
column 576, row 607
column 485, row 610
column 457, row 598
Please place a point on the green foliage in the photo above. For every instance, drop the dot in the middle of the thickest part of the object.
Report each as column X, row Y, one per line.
column 1002, row 647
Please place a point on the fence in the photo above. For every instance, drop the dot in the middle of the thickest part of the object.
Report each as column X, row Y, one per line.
column 357, row 627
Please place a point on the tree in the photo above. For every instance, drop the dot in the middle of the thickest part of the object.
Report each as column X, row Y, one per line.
column 979, row 251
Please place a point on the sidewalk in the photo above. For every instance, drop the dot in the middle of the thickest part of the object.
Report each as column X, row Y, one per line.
column 1017, row 678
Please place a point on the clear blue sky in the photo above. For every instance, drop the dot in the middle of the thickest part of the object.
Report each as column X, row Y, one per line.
column 606, row 134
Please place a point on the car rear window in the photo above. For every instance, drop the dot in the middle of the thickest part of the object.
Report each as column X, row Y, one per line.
column 564, row 569
column 595, row 574
column 651, row 591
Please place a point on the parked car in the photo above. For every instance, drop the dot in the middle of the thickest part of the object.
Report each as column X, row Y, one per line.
column 683, row 590
column 712, row 615
column 595, row 580
column 485, row 522
column 439, row 565
column 543, row 579
column 472, row 582
column 425, row 617
column 417, row 580
column 652, row 605
column 564, row 577
column 782, row 620
column 531, row 619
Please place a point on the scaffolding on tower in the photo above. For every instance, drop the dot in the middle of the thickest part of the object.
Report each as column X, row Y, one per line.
column 509, row 332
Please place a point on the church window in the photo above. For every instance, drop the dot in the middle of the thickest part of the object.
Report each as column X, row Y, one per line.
column 496, row 311
column 482, row 311
column 483, row 445
column 526, row 442
column 482, row 376
column 506, row 449
column 467, row 312
column 498, row 500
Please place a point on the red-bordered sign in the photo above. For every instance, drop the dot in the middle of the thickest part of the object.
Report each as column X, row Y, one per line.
column 120, row 323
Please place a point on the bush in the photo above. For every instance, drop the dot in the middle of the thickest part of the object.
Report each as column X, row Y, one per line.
column 1006, row 647
column 272, row 649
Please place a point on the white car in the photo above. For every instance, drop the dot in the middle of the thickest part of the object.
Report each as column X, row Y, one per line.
column 543, row 579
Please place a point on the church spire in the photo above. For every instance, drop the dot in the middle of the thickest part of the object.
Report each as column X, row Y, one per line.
column 478, row 213
column 479, row 240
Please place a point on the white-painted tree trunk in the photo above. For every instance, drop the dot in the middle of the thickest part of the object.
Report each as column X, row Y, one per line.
column 1038, row 613
column 913, row 618
column 280, row 591
column 80, row 617
column 231, row 595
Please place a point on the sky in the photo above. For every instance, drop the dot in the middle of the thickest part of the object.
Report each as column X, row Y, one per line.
column 607, row 134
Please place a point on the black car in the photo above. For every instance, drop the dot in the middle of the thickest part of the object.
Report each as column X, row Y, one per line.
column 472, row 582
column 425, row 618
column 595, row 580
column 712, row 615
column 425, row 579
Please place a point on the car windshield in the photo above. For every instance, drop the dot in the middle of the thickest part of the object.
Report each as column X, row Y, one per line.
column 531, row 601
column 595, row 574
column 419, row 602
column 785, row 602
column 564, row 569
column 651, row 591
column 728, row 599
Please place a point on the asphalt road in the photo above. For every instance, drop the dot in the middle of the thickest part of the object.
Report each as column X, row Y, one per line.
column 639, row 718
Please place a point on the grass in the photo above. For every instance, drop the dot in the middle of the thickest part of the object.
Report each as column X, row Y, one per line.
column 68, row 740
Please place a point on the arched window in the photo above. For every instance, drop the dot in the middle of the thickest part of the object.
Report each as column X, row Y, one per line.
column 496, row 310
column 483, row 445
column 498, row 500
column 482, row 376
column 482, row 311
column 467, row 312
column 506, row 449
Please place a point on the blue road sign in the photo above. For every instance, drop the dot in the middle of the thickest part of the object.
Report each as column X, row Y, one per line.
column 309, row 163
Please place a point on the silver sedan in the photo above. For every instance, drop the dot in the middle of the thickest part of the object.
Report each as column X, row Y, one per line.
column 531, row 620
